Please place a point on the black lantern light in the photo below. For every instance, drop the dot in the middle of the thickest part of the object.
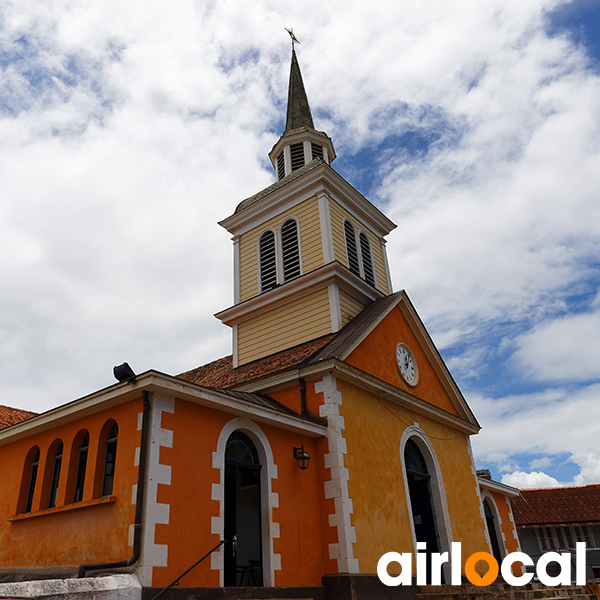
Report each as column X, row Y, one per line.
column 302, row 457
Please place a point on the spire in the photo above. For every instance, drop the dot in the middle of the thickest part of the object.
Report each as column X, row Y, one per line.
column 298, row 111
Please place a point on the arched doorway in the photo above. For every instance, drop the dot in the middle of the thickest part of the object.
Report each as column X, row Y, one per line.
column 490, row 521
column 418, row 479
column 243, row 550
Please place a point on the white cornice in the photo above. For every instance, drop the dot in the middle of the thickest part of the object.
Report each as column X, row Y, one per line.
column 373, row 385
column 321, row 179
column 306, row 284
column 496, row 486
column 155, row 381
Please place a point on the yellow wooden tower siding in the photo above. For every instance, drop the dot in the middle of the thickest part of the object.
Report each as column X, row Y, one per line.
column 333, row 283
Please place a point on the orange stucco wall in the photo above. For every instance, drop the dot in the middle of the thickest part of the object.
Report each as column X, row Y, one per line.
column 377, row 355
column 70, row 534
column 373, row 430
column 196, row 431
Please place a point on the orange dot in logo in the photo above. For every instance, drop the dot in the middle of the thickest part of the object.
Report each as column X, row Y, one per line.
column 473, row 576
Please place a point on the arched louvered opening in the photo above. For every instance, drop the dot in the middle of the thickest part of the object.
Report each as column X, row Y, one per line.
column 280, row 166
column 351, row 249
column 317, row 151
column 82, row 456
column 367, row 258
column 290, row 249
column 490, row 518
column 267, row 261
column 110, row 461
column 297, row 156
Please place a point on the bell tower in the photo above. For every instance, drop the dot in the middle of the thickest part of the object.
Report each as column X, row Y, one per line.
column 309, row 250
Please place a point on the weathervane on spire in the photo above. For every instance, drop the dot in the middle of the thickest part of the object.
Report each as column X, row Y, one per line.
column 294, row 38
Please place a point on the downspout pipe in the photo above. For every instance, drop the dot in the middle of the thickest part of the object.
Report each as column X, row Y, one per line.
column 303, row 409
column 139, row 500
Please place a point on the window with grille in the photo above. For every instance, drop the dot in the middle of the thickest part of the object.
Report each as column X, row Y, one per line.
column 317, row 151
column 290, row 249
column 267, row 261
column 280, row 166
column 297, row 156
column 55, row 475
column 367, row 258
column 110, row 461
column 351, row 249
column 560, row 538
column 32, row 478
column 81, row 466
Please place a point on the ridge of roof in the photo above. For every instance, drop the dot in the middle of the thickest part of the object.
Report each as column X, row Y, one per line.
column 313, row 164
column 11, row 416
column 353, row 330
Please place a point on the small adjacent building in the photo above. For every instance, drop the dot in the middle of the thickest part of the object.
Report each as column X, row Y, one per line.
column 329, row 367
column 555, row 519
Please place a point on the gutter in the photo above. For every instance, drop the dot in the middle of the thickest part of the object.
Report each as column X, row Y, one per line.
column 139, row 500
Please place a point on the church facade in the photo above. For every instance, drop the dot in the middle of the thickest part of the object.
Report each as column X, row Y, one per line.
column 333, row 434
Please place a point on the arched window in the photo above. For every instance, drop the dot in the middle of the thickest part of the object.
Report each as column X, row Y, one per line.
column 351, row 249
column 81, row 466
column 267, row 261
column 367, row 258
column 490, row 518
column 55, row 475
column 28, row 481
column 290, row 249
column 110, row 461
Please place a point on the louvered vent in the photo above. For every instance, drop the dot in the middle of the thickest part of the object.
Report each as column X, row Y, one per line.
column 280, row 166
column 297, row 152
column 317, row 151
column 351, row 249
column 268, row 265
column 367, row 258
column 290, row 249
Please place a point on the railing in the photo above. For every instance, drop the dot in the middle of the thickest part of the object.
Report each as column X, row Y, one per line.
column 176, row 581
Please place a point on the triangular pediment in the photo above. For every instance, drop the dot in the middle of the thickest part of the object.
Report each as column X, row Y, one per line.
column 369, row 343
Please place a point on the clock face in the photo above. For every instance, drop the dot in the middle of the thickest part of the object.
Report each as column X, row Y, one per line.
column 407, row 364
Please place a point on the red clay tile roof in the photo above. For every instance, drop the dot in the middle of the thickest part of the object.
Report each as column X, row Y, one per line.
column 221, row 374
column 10, row 416
column 557, row 506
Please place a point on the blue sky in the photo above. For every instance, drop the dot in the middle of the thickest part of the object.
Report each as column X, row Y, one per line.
column 128, row 132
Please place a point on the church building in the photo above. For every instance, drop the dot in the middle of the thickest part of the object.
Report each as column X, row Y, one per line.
column 333, row 434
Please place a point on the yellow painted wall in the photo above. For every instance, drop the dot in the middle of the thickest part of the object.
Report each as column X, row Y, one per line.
column 373, row 430
column 311, row 248
column 299, row 321
column 349, row 306
column 338, row 214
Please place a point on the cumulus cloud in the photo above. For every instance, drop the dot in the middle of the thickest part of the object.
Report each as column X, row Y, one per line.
column 535, row 479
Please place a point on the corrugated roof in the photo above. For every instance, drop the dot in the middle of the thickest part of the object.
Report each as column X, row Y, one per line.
column 11, row 416
column 557, row 506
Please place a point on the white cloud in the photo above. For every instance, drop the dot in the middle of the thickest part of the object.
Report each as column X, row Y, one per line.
column 540, row 463
column 535, row 479
column 566, row 349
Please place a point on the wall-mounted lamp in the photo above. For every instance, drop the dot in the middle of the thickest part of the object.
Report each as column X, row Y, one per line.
column 123, row 372
column 302, row 457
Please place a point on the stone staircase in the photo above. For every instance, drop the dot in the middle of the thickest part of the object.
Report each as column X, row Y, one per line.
column 504, row 591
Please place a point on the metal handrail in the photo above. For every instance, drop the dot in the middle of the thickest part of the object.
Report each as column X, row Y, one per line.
column 176, row 581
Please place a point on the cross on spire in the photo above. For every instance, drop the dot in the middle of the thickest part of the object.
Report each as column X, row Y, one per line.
column 292, row 35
